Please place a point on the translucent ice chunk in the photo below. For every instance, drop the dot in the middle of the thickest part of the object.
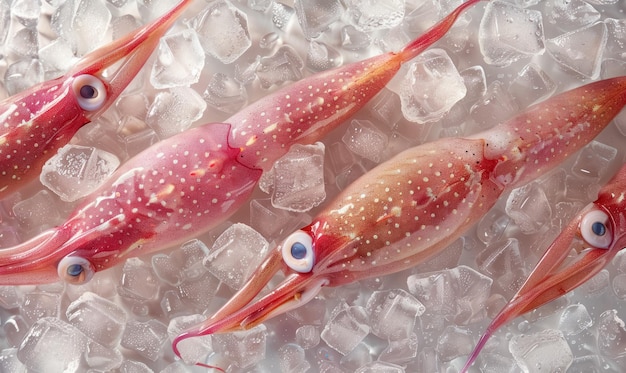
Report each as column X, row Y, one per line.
column 235, row 255
column 223, row 31
column 285, row 65
column 616, row 39
column 298, row 183
column 5, row 19
column 174, row 111
column 611, row 335
column 41, row 304
column 138, row 281
column 431, row 87
column 24, row 43
column 503, row 262
column 225, row 93
column 260, row 5
column 315, row 16
column 274, row 223
column 575, row 319
column 531, row 85
column 322, row 57
column 353, row 39
column 493, row 107
column 10, row 296
column 181, row 264
column 243, row 348
column 580, row 50
column 146, row 338
column 370, row 15
column 98, row 318
column 9, row 363
column 307, row 336
column 26, row 11
column 363, row 138
column 191, row 350
column 58, row 55
column 281, row 14
column 130, row 366
column 529, row 208
column 179, row 62
column 492, row 225
column 293, row 359
column 37, row 212
column 52, row 345
column 83, row 23
column 508, row 33
column 15, row 329
column 380, row 367
column 76, row 171
column 547, row 349
column 569, row 15
column 197, row 293
column 454, row 342
column 594, row 160
column 23, row 74
column 346, row 329
column 392, row 313
column 400, row 351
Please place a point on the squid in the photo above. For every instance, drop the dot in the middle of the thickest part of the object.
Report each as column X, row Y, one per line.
column 596, row 234
column 40, row 120
column 414, row 205
column 189, row 183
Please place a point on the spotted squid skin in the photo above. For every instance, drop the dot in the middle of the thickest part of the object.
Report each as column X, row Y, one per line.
column 190, row 182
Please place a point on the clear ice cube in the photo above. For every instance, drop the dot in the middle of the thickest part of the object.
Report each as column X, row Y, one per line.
column 363, row 138
column 529, row 208
column 194, row 349
column 225, row 93
column 235, row 255
column 580, row 50
column 370, row 15
column 346, row 329
column 179, row 62
column 531, row 85
column 197, row 293
column 454, row 342
column 223, row 31
column 24, row 43
column 611, row 335
column 594, row 160
column 431, row 87
column 322, row 57
column 285, row 65
column 138, row 281
column 495, row 106
column 569, row 15
column 76, row 171
column 98, row 318
column 281, row 14
column 547, row 350
column 392, row 313
column 9, row 363
column 380, row 367
column 243, row 348
column 503, row 261
column 174, row 111
column 40, row 304
column 145, row 338
column 298, row 178
column 315, row 16
column 308, row 336
column 23, row 74
column 83, row 23
column 616, row 39
column 292, row 359
column 353, row 39
column 400, row 351
column 509, row 33
column 58, row 55
column 575, row 319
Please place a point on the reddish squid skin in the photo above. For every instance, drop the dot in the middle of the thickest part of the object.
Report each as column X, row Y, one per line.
column 35, row 123
column 411, row 207
column 549, row 280
column 180, row 187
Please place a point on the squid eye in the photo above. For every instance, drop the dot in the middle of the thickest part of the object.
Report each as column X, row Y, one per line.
column 595, row 229
column 89, row 91
column 75, row 270
column 297, row 251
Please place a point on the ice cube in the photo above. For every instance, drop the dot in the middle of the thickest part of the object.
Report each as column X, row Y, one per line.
column 491, row 226
column 575, row 319
column 260, row 5
column 52, row 345
column 181, row 264
column 353, row 39
column 285, row 65
column 15, row 329
column 235, row 255
column 98, row 318
column 179, row 62
column 370, row 15
column 174, row 111
column 197, row 293
column 292, row 359
column 27, row 12
column 145, row 338
column 431, row 87
column 10, row 297
column 611, row 335
column 58, row 55
column 281, row 14
column 23, row 74
column 392, row 313
column 529, row 208
column 531, row 85
column 509, row 33
column 493, row 107
column 307, row 336
column 616, row 39
column 194, row 349
column 225, row 93
column 380, row 367
column 454, row 342
column 24, row 43
column 76, row 171
column 130, row 366
column 298, row 183
column 503, row 261
column 273, row 223
column 316, row 15
column 223, row 31
column 172, row 305
column 5, row 19
column 400, row 351
column 138, row 281
column 593, row 161
column 322, row 57
column 569, row 15
column 40, row 304
column 243, row 348
column 547, row 350
column 363, row 138
column 346, row 329
column 9, row 363
column 83, row 23
column 101, row 358
column 580, row 50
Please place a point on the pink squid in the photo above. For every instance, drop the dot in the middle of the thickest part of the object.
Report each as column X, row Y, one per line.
column 597, row 234
column 413, row 206
column 43, row 118
column 189, row 183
